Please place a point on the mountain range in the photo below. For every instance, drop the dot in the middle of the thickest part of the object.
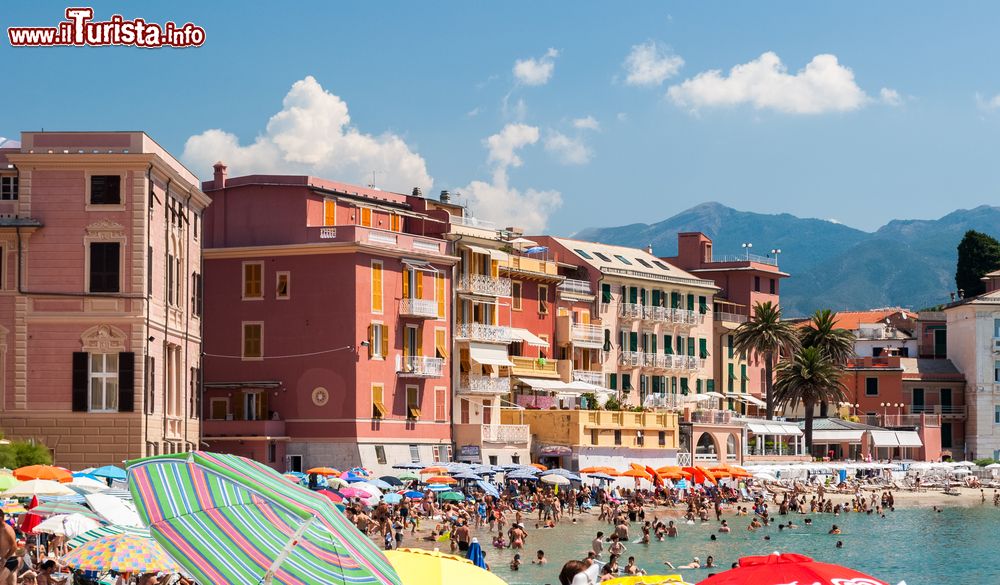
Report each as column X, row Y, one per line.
column 908, row 263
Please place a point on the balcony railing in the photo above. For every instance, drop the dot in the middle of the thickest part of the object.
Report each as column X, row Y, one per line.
column 415, row 366
column 590, row 377
column 587, row 335
column 949, row 410
column 630, row 311
column 632, row 359
column 484, row 285
column 729, row 317
column 685, row 317
column 655, row 313
column 473, row 222
column 418, row 308
column 483, row 332
column 745, row 257
column 713, row 417
column 472, row 384
column 516, row 434
column 577, row 287
column 376, row 237
column 243, row 428
column 534, row 367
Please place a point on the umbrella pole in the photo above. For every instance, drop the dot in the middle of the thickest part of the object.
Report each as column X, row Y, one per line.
column 287, row 550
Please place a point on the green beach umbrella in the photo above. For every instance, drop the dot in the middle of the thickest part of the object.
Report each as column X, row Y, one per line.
column 7, row 481
column 56, row 508
column 227, row 519
column 408, row 477
column 451, row 497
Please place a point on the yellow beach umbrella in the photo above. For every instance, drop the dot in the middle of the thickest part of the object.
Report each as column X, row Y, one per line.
column 647, row 580
column 431, row 567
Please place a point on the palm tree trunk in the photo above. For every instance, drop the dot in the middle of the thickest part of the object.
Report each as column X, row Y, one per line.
column 809, row 405
column 768, row 383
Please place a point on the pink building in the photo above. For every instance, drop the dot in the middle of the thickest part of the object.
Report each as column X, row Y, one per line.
column 100, row 328
column 330, row 312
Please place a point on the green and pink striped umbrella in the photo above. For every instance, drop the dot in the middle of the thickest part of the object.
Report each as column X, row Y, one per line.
column 226, row 519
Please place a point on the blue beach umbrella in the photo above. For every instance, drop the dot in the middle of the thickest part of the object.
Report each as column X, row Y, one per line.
column 110, row 472
column 392, row 498
column 409, row 466
column 352, row 477
column 488, row 489
column 382, row 485
column 414, row 495
column 467, row 476
column 394, row 481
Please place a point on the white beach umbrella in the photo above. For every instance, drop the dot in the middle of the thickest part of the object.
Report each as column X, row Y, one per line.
column 88, row 485
column 114, row 510
column 68, row 525
column 993, row 466
column 38, row 487
column 764, row 476
column 553, row 479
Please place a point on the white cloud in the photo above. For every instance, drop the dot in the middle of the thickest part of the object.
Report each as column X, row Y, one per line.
column 987, row 103
column 533, row 71
column 650, row 64
column 568, row 151
column 587, row 123
column 473, row 112
column 312, row 134
column 823, row 85
column 497, row 200
column 622, row 116
column 890, row 97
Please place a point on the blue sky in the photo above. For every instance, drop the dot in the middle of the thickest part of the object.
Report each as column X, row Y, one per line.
column 579, row 138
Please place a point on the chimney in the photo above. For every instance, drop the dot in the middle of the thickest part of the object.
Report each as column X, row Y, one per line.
column 220, row 175
column 649, row 248
column 417, row 192
column 445, row 196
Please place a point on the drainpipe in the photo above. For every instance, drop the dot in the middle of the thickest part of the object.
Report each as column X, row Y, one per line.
column 454, row 358
column 149, row 300
column 166, row 293
column 187, row 313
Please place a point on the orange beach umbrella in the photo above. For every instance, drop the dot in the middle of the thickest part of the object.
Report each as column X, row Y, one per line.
column 441, row 479
column 636, row 473
column 433, row 469
column 323, row 471
column 50, row 472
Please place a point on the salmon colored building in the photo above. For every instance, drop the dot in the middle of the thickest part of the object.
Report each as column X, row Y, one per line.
column 330, row 327
column 100, row 306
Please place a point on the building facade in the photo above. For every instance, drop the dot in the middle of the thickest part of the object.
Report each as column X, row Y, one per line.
column 330, row 324
column 100, row 309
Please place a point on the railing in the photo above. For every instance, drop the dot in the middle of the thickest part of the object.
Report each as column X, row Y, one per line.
column 528, row 264
column 472, row 384
column 417, row 366
column 630, row 358
column 484, row 285
column 374, row 236
column 949, row 410
column 901, row 420
column 418, row 308
column 243, row 428
column 578, row 287
column 684, row 459
column 328, row 233
column 714, row 417
column 655, row 313
column 686, row 317
column 534, row 367
column 589, row 335
column 746, row 257
column 730, row 317
column 590, row 377
column 630, row 311
column 505, row 433
column 473, row 222
column 483, row 332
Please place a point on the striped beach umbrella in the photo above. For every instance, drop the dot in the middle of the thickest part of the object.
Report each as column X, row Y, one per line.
column 227, row 519
column 56, row 508
column 122, row 553
column 105, row 531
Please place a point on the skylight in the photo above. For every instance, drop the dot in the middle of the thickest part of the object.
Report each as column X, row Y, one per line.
column 583, row 254
column 623, row 259
column 661, row 265
column 643, row 262
column 602, row 256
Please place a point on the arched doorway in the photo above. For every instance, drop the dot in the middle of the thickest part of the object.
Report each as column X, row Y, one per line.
column 706, row 447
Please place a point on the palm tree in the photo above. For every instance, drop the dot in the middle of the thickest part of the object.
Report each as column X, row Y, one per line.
column 809, row 377
column 821, row 331
column 767, row 336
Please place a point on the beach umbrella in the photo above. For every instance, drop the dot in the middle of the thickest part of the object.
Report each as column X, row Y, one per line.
column 114, row 510
column 467, row 476
column 380, row 484
column 350, row 492
column 700, row 475
column 30, row 521
column 441, row 479
column 38, row 487
column 764, row 476
column 564, row 473
column 50, row 472
column 410, row 466
column 431, row 567
column 121, row 552
column 47, row 509
column 539, row 466
column 8, row 481
column 451, row 497
column 636, row 473
column 13, row 508
column 391, row 480
column 682, row 484
column 68, row 525
column 408, row 477
column 335, row 497
column 392, row 498
column 433, row 470
column 337, row 482
column 413, row 495
column 110, row 472
column 228, row 519
column 520, row 476
column 647, row 580
column 323, row 471
column 105, row 531
column 594, row 470
column 601, row 477
column 351, row 477
column 439, row 487
column 488, row 489
column 553, row 479
column 87, row 485
column 993, row 466
column 476, row 554
column 778, row 569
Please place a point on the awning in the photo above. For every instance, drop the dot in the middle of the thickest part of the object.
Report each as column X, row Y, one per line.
column 773, row 428
column 498, row 255
column 542, row 384
column 696, row 397
column 713, row 394
column 838, row 436
column 489, row 354
column 884, row 439
column 909, row 439
column 752, row 400
column 586, row 387
column 419, row 265
column 528, row 337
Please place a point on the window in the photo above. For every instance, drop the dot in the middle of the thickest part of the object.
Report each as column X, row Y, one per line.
column 703, row 348
column 668, row 346
column 643, row 262
column 640, row 439
column 515, row 293
column 378, row 401
column 8, row 188
column 103, row 382
column 415, row 454
column 613, row 381
column 756, row 284
column 380, row 454
column 272, row 451
column 198, row 298
column 105, row 190
column 702, row 305
column 395, row 222
column 732, row 379
column 623, row 259
column 378, row 341
column 583, row 254
column 602, row 256
column 219, row 409
column 253, row 280
column 690, row 299
column 376, row 286
column 253, row 342
column 412, row 402
column 104, row 267
column 149, row 270
column 439, row 292
column 282, row 287
column 996, row 414
column 329, row 212
column 543, row 299
column 170, row 279
column 197, row 224
column 680, row 345
column 605, row 292
column 618, row 437
column 366, row 216
column 774, row 288
column 626, row 381
column 946, row 440
column 595, row 436
column 729, row 345
column 661, row 265
column 996, row 371
column 871, row 386
column 440, row 403
column 663, row 438
column 996, row 328
column 743, row 378
column 441, row 342
column 690, row 346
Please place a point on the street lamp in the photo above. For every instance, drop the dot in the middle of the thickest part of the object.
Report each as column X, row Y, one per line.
column 776, row 251
column 884, row 405
column 747, row 246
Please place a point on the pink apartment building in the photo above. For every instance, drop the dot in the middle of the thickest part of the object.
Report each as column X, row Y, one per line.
column 100, row 307
column 330, row 327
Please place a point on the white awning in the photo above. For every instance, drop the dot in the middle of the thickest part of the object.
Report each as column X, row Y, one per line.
column 498, row 255
column 773, row 428
column 909, row 439
column 489, row 354
column 419, row 265
column 586, row 387
column 838, row 436
column 698, row 397
column 757, row 428
column 884, row 439
column 543, row 384
column 752, row 400
column 528, row 337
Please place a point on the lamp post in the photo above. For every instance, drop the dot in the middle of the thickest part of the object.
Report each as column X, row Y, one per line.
column 884, row 405
column 747, row 246
column 776, row 252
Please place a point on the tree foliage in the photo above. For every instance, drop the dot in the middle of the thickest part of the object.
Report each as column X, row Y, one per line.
column 978, row 253
column 766, row 336
column 821, row 331
column 22, row 453
column 809, row 377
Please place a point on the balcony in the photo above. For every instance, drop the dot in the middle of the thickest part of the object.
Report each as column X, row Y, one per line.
column 946, row 411
column 712, row 417
column 743, row 258
column 631, row 359
column 630, row 311
column 529, row 265
column 587, row 335
column 482, row 284
column 422, row 308
column 575, row 287
column 655, row 313
column 356, row 234
column 685, row 317
column 509, row 434
column 723, row 317
column 416, row 366
column 534, row 368
column 589, row 377
column 486, row 385
column 483, row 332
column 262, row 429
column 656, row 361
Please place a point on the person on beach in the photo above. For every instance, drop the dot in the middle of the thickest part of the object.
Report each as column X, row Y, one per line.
column 694, row 564
column 834, row 530
column 515, row 563
column 597, row 545
column 539, row 558
column 8, row 552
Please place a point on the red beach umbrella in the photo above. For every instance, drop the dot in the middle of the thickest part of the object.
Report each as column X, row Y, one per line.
column 781, row 569
column 29, row 521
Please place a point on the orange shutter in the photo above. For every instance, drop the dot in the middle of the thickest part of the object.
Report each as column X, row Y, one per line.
column 420, row 341
column 385, row 341
column 371, row 340
column 419, row 277
column 439, row 283
column 366, row 217
column 440, row 403
column 585, row 317
column 377, row 287
column 495, row 268
column 441, row 342
column 406, row 282
column 329, row 212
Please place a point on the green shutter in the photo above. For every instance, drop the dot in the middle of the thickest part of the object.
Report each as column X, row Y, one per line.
column 633, row 341
column 697, row 385
column 690, row 302
column 605, row 292
column 652, row 340
column 732, row 376
column 710, row 386
column 621, row 340
column 703, row 348
column 668, row 348
column 656, row 298
column 675, row 300
column 642, row 296
column 684, row 386
column 633, row 295
column 680, row 345
column 702, row 305
column 626, row 381
column 613, row 381
column 729, row 342
column 690, row 346
column 743, row 378
column 673, row 384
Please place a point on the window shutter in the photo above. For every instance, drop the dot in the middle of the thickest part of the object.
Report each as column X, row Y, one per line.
column 81, row 382
column 126, row 381
column 150, row 384
column 690, row 346
column 406, row 283
column 668, row 348
column 371, row 340
column 439, row 283
column 419, row 277
column 385, row 341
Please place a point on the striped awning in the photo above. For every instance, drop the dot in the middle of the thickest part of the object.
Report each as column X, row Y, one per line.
column 228, row 519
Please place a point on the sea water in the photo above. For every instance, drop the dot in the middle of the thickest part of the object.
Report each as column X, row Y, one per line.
column 918, row 545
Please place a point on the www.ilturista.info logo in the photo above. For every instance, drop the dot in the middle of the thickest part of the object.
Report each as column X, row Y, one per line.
column 79, row 29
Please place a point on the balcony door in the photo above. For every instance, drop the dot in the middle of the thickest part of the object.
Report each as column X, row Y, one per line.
column 918, row 400
column 487, row 413
column 411, row 341
column 254, row 406
column 945, row 401
column 940, row 343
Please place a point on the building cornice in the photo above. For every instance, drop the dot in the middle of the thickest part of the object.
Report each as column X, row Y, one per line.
column 322, row 248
